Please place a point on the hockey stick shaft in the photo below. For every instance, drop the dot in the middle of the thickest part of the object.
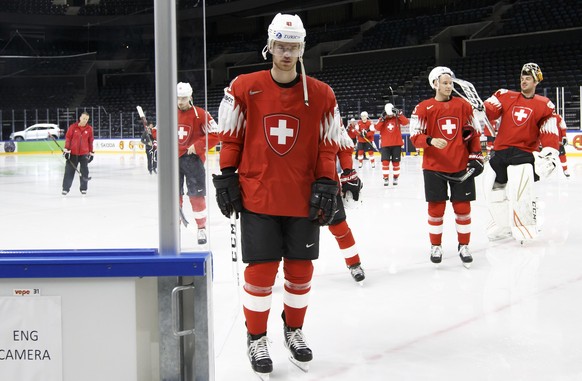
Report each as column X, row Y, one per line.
column 70, row 162
column 234, row 246
column 183, row 218
column 458, row 180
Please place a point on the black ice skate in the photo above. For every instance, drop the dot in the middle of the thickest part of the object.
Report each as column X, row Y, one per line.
column 465, row 255
column 300, row 352
column 258, row 352
column 357, row 272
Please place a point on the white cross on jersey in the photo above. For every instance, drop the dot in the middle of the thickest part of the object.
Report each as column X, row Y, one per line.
column 449, row 127
column 182, row 133
column 282, row 132
column 520, row 115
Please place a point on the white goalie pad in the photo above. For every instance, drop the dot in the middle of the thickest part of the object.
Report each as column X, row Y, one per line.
column 497, row 204
column 522, row 202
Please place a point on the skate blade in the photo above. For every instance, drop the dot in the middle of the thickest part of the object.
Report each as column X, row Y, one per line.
column 304, row 366
column 467, row 265
column 263, row 376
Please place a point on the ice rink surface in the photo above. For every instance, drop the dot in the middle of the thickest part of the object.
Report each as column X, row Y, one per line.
column 512, row 316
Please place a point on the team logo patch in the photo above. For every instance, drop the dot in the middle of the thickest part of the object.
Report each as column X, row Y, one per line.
column 183, row 132
column 281, row 131
column 449, row 125
column 520, row 115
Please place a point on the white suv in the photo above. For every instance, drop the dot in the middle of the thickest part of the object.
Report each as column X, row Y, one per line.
column 38, row 131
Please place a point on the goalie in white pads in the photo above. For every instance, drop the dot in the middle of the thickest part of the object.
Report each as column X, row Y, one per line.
column 528, row 120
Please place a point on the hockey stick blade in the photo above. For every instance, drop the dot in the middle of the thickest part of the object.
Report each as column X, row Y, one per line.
column 183, row 218
column 471, row 96
column 454, row 179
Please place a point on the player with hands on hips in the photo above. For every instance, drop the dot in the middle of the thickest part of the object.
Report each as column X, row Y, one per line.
column 442, row 127
column 279, row 131
column 527, row 120
column 194, row 125
column 78, row 151
column 389, row 126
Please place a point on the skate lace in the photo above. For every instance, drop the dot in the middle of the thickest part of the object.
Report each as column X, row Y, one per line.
column 357, row 270
column 436, row 251
column 464, row 251
column 259, row 348
column 297, row 340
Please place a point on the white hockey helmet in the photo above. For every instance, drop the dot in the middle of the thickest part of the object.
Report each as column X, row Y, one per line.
column 364, row 115
column 285, row 28
column 389, row 109
column 534, row 70
column 184, row 89
column 352, row 120
column 436, row 73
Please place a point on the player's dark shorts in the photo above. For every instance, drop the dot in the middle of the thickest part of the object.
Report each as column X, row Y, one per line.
column 436, row 188
column 365, row 147
column 490, row 139
column 192, row 168
column 341, row 212
column 391, row 153
column 509, row 156
column 268, row 238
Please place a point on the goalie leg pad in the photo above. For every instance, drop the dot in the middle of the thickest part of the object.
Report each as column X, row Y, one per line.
column 497, row 204
column 522, row 202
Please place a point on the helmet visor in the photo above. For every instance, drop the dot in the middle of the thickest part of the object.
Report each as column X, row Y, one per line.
column 283, row 49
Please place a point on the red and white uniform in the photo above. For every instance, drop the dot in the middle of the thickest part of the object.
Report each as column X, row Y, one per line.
column 390, row 131
column 79, row 139
column 367, row 125
column 445, row 120
column 291, row 148
column 352, row 131
column 193, row 125
column 562, row 129
column 526, row 122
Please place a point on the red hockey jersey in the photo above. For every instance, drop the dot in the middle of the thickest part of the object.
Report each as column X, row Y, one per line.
column 444, row 120
column 279, row 144
column 525, row 122
column 367, row 126
column 193, row 125
column 390, row 132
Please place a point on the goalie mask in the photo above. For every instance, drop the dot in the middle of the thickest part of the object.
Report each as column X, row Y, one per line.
column 533, row 70
column 436, row 73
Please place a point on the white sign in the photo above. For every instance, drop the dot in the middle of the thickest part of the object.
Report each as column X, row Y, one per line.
column 30, row 338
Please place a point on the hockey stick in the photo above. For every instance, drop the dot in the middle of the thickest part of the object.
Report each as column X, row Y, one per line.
column 69, row 160
column 473, row 98
column 458, row 180
column 234, row 246
column 373, row 144
column 183, row 218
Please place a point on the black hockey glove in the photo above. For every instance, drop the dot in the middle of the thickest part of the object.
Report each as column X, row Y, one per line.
column 67, row 154
column 351, row 182
column 228, row 193
column 90, row 157
column 363, row 133
column 476, row 161
column 323, row 203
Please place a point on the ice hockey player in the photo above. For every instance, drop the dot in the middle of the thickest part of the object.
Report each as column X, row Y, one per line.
column 280, row 132
column 442, row 127
column 389, row 127
column 194, row 125
column 148, row 139
column 353, row 133
column 562, row 129
column 527, row 120
column 365, row 139
column 350, row 192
